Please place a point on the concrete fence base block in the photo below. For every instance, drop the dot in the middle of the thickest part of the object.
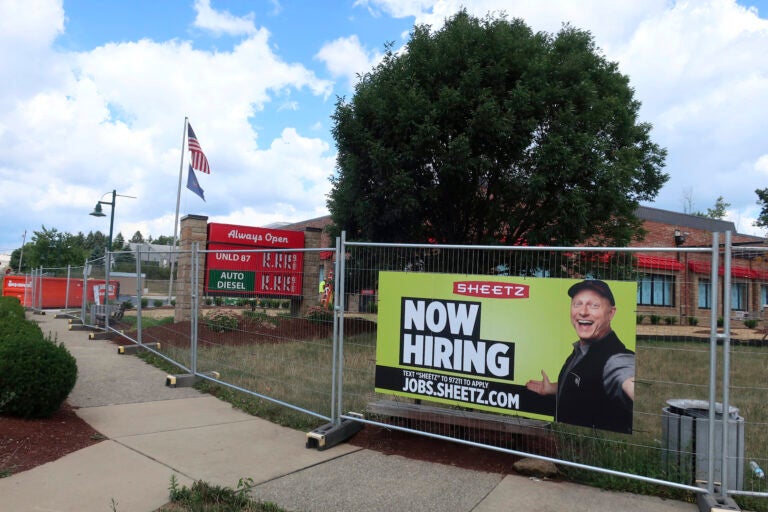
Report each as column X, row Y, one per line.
column 709, row 503
column 98, row 336
column 75, row 321
column 187, row 380
column 81, row 327
column 330, row 434
column 132, row 349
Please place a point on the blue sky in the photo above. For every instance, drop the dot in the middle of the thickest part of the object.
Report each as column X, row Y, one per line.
column 101, row 89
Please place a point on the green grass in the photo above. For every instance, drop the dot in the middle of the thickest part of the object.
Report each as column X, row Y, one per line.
column 205, row 497
column 669, row 370
column 300, row 373
column 147, row 322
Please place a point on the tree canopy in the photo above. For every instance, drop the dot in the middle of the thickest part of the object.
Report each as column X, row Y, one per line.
column 762, row 200
column 484, row 132
column 50, row 248
column 718, row 211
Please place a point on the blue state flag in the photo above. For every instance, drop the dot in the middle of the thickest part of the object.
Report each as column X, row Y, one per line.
column 193, row 185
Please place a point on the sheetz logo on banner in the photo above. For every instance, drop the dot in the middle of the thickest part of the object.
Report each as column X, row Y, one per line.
column 496, row 290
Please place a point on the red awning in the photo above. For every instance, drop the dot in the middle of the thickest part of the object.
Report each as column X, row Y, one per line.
column 701, row 267
column 658, row 262
column 743, row 272
column 704, row 267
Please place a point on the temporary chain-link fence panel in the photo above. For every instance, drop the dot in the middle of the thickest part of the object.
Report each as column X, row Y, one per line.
column 672, row 312
column 306, row 338
column 263, row 327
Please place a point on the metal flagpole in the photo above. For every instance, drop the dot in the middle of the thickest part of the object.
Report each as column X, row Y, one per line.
column 176, row 220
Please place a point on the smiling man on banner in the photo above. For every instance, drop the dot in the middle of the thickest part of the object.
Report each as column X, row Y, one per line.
column 596, row 385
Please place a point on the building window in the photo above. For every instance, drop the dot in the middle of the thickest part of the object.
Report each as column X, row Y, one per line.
column 739, row 296
column 763, row 296
column 705, row 294
column 656, row 290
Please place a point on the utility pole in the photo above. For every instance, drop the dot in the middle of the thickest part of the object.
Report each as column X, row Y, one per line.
column 23, row 241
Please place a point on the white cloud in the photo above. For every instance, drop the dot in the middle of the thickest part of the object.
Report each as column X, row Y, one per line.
column 346, row 57
column 761, row 164
column 74, row 125
column 222, row 22
column 31, row 24
column 112, row 117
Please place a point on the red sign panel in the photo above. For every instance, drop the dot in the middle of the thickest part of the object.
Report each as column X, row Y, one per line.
column 240, row 248
column 261, row 238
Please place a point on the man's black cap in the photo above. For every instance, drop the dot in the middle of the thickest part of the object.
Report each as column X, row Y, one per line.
column 595, row 285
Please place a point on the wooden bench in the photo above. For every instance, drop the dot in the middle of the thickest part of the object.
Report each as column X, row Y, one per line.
column 457, row 417
column 100, row 312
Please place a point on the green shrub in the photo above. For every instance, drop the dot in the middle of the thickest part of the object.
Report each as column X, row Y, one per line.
column 144, row 302
column 12, row 328
column 11, row 307
column 221, row 321
column 655, row 319
column 320, row 314
column 36, row 375
column 157, row 303
column 670, row 320
column 261, row 317
column 720, row 321
column 640, row 319
column 750, row 323
column 692, row 320
column 128, row 304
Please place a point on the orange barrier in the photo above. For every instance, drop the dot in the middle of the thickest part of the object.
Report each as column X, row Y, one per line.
column 54, row 290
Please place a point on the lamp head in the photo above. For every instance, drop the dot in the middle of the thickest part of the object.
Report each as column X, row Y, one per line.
column 97, row 212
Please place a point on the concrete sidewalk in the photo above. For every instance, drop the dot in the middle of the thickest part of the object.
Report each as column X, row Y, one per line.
column 155, row 432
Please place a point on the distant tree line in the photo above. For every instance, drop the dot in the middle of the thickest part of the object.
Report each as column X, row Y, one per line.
column 50, row 248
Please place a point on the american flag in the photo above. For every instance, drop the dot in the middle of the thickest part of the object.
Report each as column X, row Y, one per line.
column 199, row 161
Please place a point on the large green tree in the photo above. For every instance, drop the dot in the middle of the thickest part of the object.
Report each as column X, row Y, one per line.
column 762, row 200
column 50, row 249
column 484, row 132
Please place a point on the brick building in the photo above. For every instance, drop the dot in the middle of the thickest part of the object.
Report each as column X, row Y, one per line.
column 677, row 283
column 670, row 283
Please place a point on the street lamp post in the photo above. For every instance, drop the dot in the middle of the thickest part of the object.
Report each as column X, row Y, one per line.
column 98, row 212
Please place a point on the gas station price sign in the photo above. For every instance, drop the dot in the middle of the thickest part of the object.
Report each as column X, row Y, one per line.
column 232, row 267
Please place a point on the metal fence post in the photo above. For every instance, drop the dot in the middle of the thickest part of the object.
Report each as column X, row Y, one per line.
column 66, row 296
column 338, row 326
column 195, row 307
column 107, row 265
column 39, row 291
column 84, row 293
column 713, row 361
column 726, row 362
column 138, row 293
